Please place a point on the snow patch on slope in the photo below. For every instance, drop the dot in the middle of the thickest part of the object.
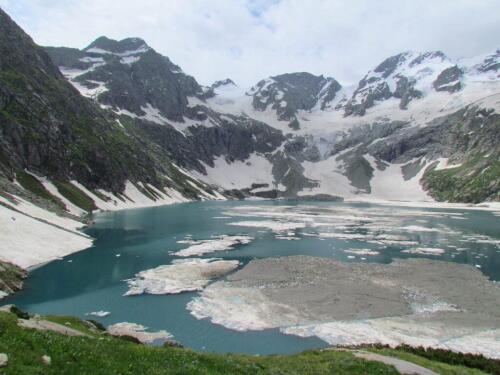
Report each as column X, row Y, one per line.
column 389, row 184
column 238, row 174
column 28, row 242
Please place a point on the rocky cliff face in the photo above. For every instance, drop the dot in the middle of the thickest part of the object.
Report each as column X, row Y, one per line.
column 60, row 150
column 48, row 127
column 11, row 279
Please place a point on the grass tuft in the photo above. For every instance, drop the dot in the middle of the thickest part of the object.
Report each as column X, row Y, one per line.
column 75, row 195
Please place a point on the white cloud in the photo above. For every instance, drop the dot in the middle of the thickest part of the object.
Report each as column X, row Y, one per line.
column 251, row 39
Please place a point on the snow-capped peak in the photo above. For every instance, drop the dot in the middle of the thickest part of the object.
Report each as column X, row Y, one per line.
column 485, row 67
column 124, row 47
column 406, row 76
column 222, row 83
column 291, row 92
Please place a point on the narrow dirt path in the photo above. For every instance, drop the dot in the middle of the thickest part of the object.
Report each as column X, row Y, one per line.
column 45, row 325
column 404, row 367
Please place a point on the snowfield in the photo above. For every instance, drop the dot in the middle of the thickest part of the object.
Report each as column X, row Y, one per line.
column 27, row 242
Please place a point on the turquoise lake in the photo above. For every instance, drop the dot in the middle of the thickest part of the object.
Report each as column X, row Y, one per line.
column 130, row 241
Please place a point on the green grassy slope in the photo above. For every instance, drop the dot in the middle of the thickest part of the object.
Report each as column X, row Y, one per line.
column 102, row 354
column 109, row 355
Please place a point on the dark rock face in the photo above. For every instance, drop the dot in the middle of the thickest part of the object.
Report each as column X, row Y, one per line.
column 151, row 80
column 369, row 95
column 235, row 140
column 289, row 172
column 426, row 56
column 134, row 75
column 449, row 136
column 406, row 92
column 68, row 57
column 294, row 124
column 289, row 93
column 449, row 80
column 491, row 63
column 47, row 127
column 389, row 65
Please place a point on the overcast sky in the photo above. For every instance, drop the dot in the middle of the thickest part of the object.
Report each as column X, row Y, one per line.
column 247, row 40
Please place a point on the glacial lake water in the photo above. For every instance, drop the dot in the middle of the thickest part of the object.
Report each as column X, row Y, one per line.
column 130, row 241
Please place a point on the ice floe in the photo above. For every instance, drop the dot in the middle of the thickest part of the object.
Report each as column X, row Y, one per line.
column 408, row 228
column 180, row 276
column 275, row 226
column 100, row 313
column 139, row 332
column 412, row 301
column 361, row 251
column 220, row 243
column 425, row 251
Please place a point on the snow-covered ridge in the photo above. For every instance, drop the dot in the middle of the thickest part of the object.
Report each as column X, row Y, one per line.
column 99, row 51
column 410, row 86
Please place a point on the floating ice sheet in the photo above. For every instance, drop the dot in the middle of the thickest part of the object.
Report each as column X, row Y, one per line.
column 180, row 276
column 412, row 301
column 220, row 243
column 139, row 332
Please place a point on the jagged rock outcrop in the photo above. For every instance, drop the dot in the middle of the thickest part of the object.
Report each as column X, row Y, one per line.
column 491, row 63
column 449, row 80
column 11, row 278
column 223, row 82
column 288, row 93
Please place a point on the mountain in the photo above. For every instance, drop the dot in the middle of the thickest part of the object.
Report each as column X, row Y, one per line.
column 47, row 127
column 418, row 112
column 107, row 68
column 328, row 139
column 289, row 93
column 62, row 151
